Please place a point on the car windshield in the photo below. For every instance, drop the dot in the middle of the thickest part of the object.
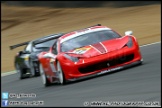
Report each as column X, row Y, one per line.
column 43, row 46
column 88, row 39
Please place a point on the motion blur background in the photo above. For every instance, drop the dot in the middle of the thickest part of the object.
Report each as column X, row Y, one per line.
column 22, row 21
column 75, row 4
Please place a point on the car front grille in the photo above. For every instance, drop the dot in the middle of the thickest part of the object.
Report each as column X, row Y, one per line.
column 106, row 64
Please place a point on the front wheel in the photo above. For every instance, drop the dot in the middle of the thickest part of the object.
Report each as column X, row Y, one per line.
column 60, row 74
column 43, row 75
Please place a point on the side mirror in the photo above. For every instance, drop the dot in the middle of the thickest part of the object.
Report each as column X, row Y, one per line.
column 128, row 32
column 23, row 52
column 48, row 55
column 20, row 52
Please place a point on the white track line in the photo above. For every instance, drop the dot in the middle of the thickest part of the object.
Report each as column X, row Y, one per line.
column 8, row 73
column 13, row 72
column 150, row 44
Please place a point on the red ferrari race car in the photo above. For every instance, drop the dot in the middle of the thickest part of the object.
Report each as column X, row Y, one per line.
column 88, row 52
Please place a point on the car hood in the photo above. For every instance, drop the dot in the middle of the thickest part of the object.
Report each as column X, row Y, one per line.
column 99, row 48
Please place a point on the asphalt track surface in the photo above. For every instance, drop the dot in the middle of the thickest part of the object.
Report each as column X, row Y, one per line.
column 137, row 84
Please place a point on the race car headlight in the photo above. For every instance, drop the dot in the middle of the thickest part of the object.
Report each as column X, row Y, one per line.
column 130, row 42
column 74, row 59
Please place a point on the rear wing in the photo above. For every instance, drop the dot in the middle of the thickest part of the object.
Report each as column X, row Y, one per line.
column 40, row 40
column 18, row 45
column 49, row 37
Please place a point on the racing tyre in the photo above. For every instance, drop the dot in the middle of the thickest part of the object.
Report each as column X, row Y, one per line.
column 36, row 68
column 60, row 74
column 32, row 70
column 19, row 71
column 44, row 78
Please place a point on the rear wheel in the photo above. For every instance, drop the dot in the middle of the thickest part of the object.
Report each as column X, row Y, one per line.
column 19, row 71
column 32, row 70
column 43, row 75
column 60, row 74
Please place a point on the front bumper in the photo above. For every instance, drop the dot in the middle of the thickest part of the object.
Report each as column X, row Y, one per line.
column 107, row 71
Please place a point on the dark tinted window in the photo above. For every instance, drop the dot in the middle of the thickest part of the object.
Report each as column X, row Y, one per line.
column 54, row 49
column 43, row 46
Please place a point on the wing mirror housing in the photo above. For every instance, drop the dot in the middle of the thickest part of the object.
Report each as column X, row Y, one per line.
column 129, row 32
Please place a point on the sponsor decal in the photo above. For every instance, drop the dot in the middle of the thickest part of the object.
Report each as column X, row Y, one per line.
column 81, row 50
column 109, row 70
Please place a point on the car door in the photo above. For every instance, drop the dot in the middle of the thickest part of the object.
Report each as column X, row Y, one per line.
column 52, row 61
